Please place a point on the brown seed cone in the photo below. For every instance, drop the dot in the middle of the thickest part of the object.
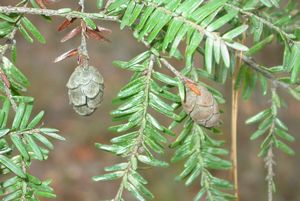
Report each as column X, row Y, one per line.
column 85, row 89
column 203, row 108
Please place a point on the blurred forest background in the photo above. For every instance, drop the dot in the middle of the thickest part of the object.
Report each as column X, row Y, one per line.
column 73, row 162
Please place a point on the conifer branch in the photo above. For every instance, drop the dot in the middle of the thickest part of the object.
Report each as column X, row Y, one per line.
column 102, row 16
column 21, row 134
column 3, row 76
column 262, row 20
column 275, row 132
column 64, row 12
column 269, row 158
column 255, row 66
column 177, row 73
column 269, row 163
column 9, row 42
column 139, row 140
column 202, row 30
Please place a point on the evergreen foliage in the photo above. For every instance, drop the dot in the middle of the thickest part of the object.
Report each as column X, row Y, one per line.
column 227, row 34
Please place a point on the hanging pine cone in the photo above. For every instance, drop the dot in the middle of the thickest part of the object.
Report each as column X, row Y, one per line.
column 202, row 107
column 85, row 89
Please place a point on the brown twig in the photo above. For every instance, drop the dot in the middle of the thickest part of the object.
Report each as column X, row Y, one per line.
column 255, row 66
column 234, row 119
column 83, row 52
column 169, row 66
column 178, row 74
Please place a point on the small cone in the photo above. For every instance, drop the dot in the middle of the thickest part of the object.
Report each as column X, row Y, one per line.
column 203, row 108
column 85, row 89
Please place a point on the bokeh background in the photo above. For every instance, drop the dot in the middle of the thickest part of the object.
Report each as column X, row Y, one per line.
column 73, row 162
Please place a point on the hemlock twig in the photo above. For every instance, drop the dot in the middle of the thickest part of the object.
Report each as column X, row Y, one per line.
column 255, row 66
column 269, row 163
column 139, row 139
column 83, row 52
column 262, row 20
column 60, row 13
